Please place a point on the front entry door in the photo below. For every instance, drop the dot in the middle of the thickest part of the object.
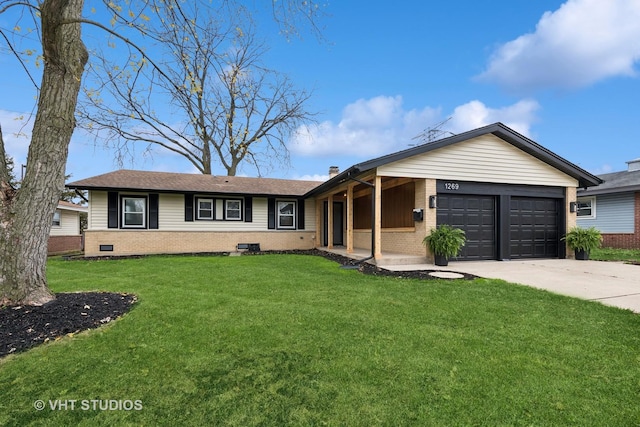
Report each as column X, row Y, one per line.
column 338, row 224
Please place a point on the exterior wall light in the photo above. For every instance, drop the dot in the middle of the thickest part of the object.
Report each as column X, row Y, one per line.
column 433, row 202
column 573, row 207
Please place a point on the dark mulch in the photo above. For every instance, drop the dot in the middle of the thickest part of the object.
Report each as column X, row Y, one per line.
column 365, row 267
column 24, row 327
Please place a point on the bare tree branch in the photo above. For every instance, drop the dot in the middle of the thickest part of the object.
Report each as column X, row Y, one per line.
column 209, row 100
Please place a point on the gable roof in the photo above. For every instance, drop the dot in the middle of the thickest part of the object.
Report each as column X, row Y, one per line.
column 615, row 182
column 132, row 180
column 584, row 178
column 68, row 206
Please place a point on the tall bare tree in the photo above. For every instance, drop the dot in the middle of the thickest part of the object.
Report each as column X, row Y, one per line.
column 215, row 102
column 26, row 213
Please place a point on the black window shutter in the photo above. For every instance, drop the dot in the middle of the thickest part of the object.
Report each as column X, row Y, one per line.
column 248, row 209
column 188, row 207
column 112, row 209
column 271, row 213
column 153, row 210
column 300, row 215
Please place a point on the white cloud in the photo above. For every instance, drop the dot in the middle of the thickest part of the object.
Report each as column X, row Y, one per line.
column 314, row 177
column 367, row 128
column 475, row 114
column 582, row 42
column 380, row 125
column 605, row 168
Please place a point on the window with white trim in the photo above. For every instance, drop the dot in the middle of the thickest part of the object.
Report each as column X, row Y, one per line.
column 286, row 211
column 134, row 212
column 586, row 207
column 233, row 210
column 205, row 209
column 56, row 218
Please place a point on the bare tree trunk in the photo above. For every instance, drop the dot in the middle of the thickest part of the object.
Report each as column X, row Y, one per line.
column 26, row 215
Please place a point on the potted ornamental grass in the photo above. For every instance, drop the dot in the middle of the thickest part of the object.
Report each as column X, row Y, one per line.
column 444, row 242
column 583, row 241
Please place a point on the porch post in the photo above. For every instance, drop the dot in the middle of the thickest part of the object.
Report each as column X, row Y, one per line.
column 377, row 235
column 330, row 222
column 318, row 236
column 350, row 218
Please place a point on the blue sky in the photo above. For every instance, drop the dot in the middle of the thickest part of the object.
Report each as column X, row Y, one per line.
column 563, row 73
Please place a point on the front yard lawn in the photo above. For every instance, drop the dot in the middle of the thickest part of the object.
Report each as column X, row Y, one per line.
column 294, row 340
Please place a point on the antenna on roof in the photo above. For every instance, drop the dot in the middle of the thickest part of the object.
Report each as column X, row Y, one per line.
column 432, row 133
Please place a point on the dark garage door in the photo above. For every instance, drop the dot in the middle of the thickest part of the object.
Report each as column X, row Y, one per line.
column 533, row 228
column 476, row 215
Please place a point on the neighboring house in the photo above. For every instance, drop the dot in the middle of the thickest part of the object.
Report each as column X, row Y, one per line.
column 613, row 207
column 510, row 195
column 65, row 234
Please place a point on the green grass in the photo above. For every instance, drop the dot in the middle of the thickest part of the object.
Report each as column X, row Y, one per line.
column 293, row 340
column 611, row 254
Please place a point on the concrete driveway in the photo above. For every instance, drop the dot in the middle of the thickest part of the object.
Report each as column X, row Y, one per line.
column 611, row 283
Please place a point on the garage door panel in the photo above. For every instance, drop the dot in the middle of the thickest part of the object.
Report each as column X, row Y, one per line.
column 476, row 216
column 533, row 231
column 474, row 220
column 532, row 225
column 457, row 218
column 457, row 203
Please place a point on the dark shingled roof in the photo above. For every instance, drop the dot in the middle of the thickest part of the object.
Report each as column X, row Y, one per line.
column 615, row 182
column 132, row 180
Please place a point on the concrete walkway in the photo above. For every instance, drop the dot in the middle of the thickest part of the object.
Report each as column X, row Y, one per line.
column 611, row 283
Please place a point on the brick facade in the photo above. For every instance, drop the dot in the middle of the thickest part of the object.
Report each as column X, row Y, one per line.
column 138, row 242
column 62, row 244
column 625, row 240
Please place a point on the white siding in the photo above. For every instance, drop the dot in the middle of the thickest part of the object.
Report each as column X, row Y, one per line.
column 483, row 159
column 310, row 214
column 171, row 215
column 219, row 209
column 614, row 214
column 69, row 224
column 97, row 218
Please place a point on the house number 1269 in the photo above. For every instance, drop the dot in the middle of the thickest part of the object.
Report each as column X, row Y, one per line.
column 451, row 186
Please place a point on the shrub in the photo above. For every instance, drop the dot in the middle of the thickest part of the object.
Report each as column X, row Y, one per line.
column 445, row 240
column 583, row 239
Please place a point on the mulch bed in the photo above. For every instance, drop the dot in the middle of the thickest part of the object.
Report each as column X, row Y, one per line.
column 365, row 267
column 23, row 327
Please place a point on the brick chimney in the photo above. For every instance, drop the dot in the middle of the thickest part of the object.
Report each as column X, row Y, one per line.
column 333, row 171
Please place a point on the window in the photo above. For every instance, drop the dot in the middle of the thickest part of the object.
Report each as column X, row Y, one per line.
column 134, row 212
column 586, row 207
column 56, row 218
column 286, row 214
column 233, row 210
column 205, row 208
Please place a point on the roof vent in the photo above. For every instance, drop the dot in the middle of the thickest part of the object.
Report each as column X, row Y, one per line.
column 633, row 165
column 335, row 170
